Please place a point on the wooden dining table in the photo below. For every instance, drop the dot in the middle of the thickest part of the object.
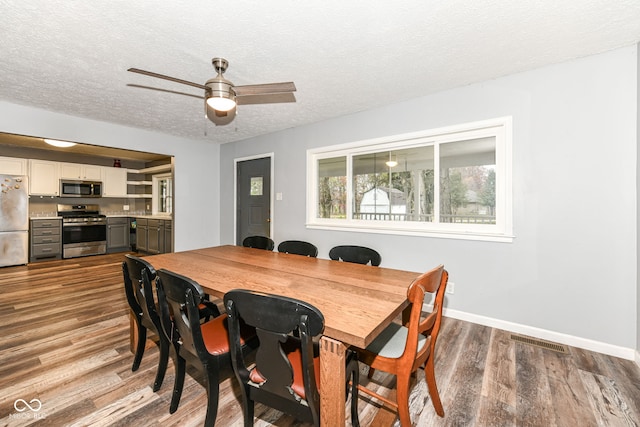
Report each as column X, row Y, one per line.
column 357, row 301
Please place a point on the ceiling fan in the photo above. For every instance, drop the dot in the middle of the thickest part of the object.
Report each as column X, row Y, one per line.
column 221, row 96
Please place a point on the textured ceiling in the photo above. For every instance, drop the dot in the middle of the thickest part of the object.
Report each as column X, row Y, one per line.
column 344, row 56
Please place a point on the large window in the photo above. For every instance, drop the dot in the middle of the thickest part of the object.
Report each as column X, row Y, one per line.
column 453, row 182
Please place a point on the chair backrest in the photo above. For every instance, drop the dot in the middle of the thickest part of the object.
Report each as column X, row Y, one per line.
column 298, row 247
column 284, row 326
column 433, row 282
column 258, row 242
column 356, row 254
column 138, row 278
column 178, row 299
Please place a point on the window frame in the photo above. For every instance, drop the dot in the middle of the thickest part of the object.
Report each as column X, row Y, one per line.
column 502, row 231
column 155, row 183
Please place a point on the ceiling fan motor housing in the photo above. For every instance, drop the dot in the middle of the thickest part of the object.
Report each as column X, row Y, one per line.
column 219, row 87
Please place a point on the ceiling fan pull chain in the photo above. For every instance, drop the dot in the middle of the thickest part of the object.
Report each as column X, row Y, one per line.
column 205, row 119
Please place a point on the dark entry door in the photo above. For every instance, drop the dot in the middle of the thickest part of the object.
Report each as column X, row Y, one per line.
column 253, row 204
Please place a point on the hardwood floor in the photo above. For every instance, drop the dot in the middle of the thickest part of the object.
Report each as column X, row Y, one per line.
column 65, row 342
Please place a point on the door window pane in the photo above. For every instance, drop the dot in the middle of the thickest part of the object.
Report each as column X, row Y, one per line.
column 256, row 186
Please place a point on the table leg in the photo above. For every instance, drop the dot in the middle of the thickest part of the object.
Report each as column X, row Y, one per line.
column 332, row 382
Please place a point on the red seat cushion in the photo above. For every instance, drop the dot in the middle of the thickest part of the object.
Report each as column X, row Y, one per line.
column 295, row 358
column 202, row 307
column 215, row 334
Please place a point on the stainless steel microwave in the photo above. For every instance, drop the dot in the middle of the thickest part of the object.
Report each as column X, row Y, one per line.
column 73, row 188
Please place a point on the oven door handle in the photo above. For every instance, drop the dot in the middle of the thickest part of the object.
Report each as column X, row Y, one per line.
column 83, row 224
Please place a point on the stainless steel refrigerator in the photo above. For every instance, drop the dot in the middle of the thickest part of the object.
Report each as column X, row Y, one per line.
column 14, row 220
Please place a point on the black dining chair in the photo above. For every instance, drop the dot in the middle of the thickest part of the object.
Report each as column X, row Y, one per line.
column 138, row 277
column 285, row 373
column 258, row 242
column 355, row 254
column 204, row 346
column 298, row 247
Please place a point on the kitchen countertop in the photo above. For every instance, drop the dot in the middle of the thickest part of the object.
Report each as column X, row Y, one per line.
column 164, row 217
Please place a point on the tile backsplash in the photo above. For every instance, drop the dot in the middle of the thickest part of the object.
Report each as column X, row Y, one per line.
column 48, row 206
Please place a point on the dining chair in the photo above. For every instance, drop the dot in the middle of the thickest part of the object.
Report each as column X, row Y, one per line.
column 285, row 373
column 204, row 346
column 401, row 350
column 298, row 247
column 138, row 277
column 356, row 254
column 258, row 242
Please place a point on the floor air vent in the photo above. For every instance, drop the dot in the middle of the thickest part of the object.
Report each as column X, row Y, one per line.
column 539, row 343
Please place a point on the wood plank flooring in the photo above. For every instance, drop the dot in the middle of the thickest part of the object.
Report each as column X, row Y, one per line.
column 65, row 341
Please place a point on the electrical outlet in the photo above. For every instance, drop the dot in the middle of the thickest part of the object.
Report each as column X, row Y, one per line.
column 451, row 287
column 125, row 207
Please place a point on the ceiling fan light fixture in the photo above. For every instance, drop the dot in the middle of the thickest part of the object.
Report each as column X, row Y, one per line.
column 392, row 162
column 221, row 103
column 220, row 118
column 219, row 94
column 61, row 144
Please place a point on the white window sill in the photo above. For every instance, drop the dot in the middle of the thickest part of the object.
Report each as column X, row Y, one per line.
column 441, row 234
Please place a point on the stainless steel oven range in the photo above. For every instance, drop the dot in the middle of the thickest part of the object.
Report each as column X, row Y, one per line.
column 84, row 230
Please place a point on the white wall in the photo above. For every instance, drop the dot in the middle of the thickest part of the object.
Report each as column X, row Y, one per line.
column 571, row 271
column 196, row 213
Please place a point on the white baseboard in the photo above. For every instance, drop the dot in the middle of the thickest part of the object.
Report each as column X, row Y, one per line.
column 584, row 343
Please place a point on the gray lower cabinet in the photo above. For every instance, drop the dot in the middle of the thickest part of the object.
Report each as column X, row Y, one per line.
column 168, row 236
column 117, row 234
column 141, row 234
column 155, row 236
column 46, row 239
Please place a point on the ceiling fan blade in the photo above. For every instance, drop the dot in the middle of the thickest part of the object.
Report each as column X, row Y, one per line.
column 264, row 89
column 270, row 98
column 162, row 76
column 167, row 91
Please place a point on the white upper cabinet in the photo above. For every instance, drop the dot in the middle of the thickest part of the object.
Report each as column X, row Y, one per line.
column 114, row 182
column 44, row 177
column 80, row 171
column 13, row 166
